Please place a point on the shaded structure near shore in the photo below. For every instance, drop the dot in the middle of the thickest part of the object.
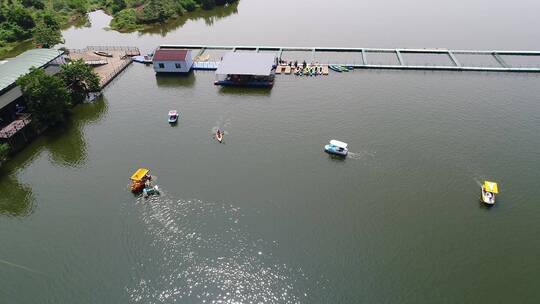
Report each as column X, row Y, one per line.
column 13, row 117
column 246, row 69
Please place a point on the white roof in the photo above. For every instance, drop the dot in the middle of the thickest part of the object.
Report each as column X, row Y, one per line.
column 173, row 112
column 246, row 63
column 338, row 143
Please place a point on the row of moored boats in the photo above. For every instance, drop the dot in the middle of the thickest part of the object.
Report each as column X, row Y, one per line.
column 340, row 68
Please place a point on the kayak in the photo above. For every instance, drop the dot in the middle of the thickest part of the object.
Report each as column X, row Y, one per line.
column 335, row 68
column 219, row 136
column 343, row 69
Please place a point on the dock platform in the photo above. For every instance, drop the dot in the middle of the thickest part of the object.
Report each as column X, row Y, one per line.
column 403, row 58
column 287, row 69
column 107, row 68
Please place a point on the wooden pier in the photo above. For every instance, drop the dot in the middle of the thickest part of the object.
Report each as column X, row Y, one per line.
column 107, row 68
column 364, row 58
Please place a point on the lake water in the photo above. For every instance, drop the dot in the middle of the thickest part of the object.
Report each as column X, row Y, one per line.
column 268, row 217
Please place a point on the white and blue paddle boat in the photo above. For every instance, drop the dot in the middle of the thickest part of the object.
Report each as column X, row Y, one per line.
column 173, row 116
column 336, row 147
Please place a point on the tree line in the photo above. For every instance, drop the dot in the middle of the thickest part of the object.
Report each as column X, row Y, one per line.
column 40, row 20
column 131, row 15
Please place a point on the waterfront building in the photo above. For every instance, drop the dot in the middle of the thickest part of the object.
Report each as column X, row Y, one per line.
column 170, row 60
column 246, row 69
column 12, row 104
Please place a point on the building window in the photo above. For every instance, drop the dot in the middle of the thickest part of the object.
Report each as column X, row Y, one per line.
column 161, row 66
column 178, row 65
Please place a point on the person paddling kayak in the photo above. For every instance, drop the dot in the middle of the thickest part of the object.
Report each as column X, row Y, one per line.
column 219, row 135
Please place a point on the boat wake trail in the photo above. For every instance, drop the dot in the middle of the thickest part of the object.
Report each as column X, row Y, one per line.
column 204, row 255
column 360, row 155
column 221, row 124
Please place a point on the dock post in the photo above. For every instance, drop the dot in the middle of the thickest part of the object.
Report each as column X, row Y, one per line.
column 500, row 60
column 453, row 58
column 279, row 53
column 364, row 57
column 201, row 51
column 257, row 50
column 401, row 62
column 313, row 55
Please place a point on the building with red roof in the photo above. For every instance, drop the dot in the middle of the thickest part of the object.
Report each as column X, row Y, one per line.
column 172, row 60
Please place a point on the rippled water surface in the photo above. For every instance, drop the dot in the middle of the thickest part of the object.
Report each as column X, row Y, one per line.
column 268, row 217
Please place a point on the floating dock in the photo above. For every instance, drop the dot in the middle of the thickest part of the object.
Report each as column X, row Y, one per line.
column 205, row 65
column 366, row 58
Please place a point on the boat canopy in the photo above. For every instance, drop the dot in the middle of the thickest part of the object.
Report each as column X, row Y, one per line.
column 491, row 187
column 338, row 143
column 173, row 113
column 139, row 174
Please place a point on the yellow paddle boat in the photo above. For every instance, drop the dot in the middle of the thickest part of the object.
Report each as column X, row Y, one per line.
column 489, row 189
column 139, row 179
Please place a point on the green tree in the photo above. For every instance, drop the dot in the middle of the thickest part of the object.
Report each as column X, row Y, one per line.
column 80, row 80
column 11, row 32
column 33, row 3
column 153, row 11
column 189, row 5
column 46, row 36
column 207, row 4
column 118, row 5
column 78, row 6
column 22, row 17
column 49, row 19
column 46, row 95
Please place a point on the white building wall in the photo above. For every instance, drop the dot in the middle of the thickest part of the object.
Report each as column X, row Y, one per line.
column 171, row 66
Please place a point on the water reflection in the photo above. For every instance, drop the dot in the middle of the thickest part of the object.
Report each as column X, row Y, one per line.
column 66, row 143
column 175, row 80
column 16, row 199
column 66, row 146
column 80, row 22
column 245, row 91
column 206, row 255
column 209, row 17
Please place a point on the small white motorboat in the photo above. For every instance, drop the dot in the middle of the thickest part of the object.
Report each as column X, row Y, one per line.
column 104, row 54
column 173, row 116
column 336, row 147
column 489, row 189
column 146, row 59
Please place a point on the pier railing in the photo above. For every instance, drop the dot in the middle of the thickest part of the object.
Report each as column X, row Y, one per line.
column 15, row 126
column 366, row 57
column 114, row 72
